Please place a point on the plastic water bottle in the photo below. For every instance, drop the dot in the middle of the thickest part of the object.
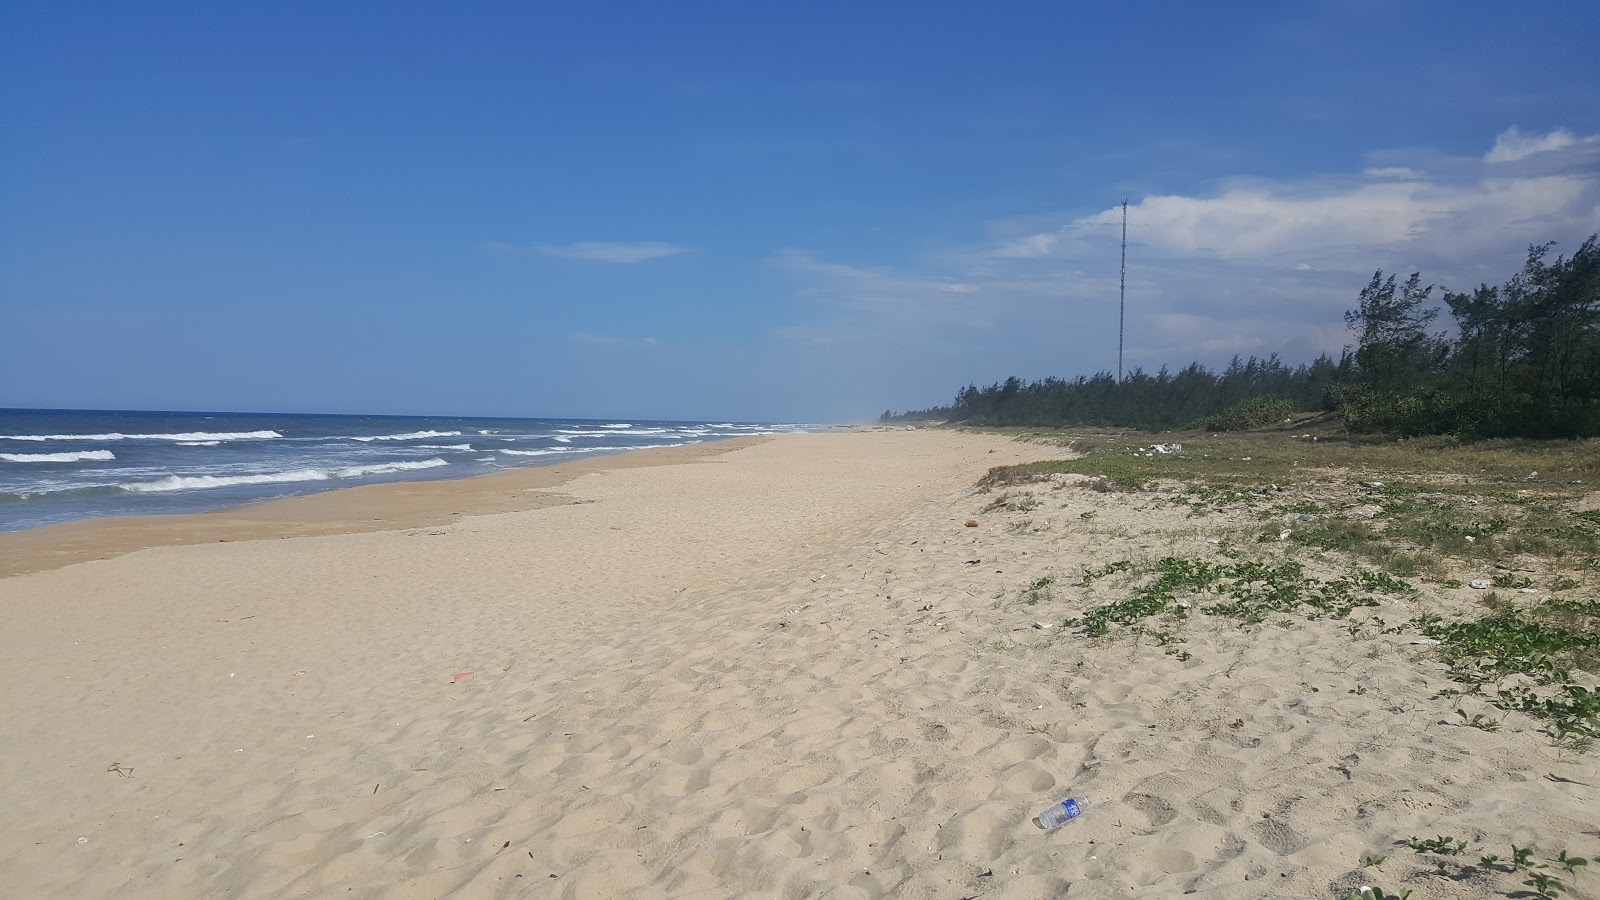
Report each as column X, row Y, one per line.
column 1061, row 813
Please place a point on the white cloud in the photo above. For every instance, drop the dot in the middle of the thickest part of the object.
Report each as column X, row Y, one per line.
column 1512, row 145
column 612, row 252
column 1352, row 225
column 1251, row 266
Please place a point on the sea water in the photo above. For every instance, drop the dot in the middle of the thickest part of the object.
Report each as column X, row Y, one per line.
column 59, row 465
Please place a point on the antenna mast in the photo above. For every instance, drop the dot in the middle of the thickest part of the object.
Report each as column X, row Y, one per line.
column 1122, row 288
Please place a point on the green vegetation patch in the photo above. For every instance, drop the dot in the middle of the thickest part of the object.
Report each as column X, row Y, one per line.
column 1246, row 591
column 1526, row 659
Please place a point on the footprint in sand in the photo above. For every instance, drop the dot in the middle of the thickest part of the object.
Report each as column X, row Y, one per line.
column 1114, row 693
column 1158, row 811
column 1019, row 750
column 983, row 833
column 1028, row 778
column 751, row 817
column 1277, row 837
column 801, row 778
column 795, row 843
column 593, row 817
column 681, row 784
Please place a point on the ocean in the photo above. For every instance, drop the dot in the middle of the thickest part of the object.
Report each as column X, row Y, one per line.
column 60, row 465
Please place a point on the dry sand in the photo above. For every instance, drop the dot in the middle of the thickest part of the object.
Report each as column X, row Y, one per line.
column 767, row 672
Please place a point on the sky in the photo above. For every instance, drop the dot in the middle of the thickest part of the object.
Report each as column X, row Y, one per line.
column 757, row 211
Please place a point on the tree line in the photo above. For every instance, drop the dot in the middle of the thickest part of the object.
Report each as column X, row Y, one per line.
column 1519, row 359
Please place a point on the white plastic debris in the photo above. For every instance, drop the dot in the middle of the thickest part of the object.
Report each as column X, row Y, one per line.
column 1480, row 584
column 1283, row 535
column 1527, row 590
column 83, row 840
column 1042, row 625
column 1471, row 539
column 1375, row 485
column 1183, row 604
column 1425, row 642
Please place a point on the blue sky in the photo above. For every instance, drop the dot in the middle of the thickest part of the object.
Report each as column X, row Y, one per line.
column 741, row 210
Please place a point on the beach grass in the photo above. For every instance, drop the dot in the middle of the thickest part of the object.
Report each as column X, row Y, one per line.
column 1508, row 518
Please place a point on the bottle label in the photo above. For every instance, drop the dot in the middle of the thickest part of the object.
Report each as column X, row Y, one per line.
column 1071, row 808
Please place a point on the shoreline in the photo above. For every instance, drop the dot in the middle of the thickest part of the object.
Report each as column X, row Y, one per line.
column 384, row 506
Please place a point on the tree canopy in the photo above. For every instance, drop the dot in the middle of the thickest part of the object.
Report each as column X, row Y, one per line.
column 1522, row 359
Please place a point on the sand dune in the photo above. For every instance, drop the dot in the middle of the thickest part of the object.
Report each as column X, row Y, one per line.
column 774, row 672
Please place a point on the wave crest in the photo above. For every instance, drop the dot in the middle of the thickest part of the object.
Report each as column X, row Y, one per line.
column 551, row 451
column 118, row 436
column 80, row 456
column 202, row 482
column 412, row 436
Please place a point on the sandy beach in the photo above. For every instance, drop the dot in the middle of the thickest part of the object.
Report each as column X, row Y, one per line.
column 773, row 667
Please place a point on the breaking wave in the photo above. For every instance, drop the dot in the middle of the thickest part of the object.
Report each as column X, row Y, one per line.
column 117, row 436
column 201, row 482
column 412, row 436
column 550, row 451
column 58, row 457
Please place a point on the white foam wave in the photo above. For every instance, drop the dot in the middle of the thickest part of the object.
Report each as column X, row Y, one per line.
column 201, row 482
column 444, row 446
column 618, row 425
column 117, row 436
column 58, row 457
column 558, row 450
column 541, row 452
column 198, row 443
column 413, row 436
